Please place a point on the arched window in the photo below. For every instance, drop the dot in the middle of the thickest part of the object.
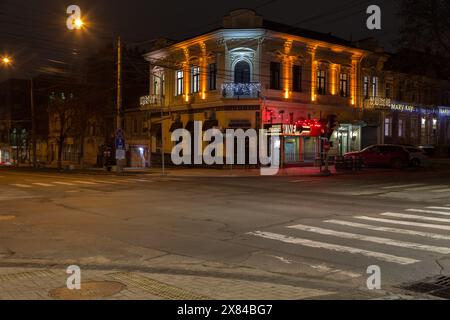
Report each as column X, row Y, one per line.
column 242, row 72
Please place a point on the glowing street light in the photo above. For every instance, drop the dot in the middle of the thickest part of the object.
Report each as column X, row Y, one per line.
column 6, row 60
column 79, row 24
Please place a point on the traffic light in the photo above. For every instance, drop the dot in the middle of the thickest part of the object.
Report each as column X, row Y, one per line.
column 332, row 124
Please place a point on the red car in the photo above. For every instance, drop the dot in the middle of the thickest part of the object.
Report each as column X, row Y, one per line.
column 382, row 155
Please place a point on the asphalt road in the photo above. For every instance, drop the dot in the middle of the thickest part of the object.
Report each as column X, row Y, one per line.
column 312, row 231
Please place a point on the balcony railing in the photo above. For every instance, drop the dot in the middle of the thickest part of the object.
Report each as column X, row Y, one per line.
column 241, row 90
column 150, row 102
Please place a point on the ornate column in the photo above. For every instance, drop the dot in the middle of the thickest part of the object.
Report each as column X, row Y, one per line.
column 311, row 50
column 186, row 74
column 203, row 70
column 287, row 69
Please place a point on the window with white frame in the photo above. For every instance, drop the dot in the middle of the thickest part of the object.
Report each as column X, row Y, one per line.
column 374, row 86
column 401, row 128
column 343, row 84
column 388, row 92
column 366, row 87
column 388, row 127
column 179, row 76
column 321, row 82
column 212, row 76
column 413, row 131
column 195, row 80
column 448, row 129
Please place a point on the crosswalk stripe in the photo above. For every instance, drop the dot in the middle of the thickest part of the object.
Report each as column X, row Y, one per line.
column 442, row 213
column 85, row 182
column 406, row 223
column 106, row 182
column 63, row 183
column 43, row 184
column 361, row 237
column 334, row 247
column 441, row 190
column 404, row 186
column 392, row 230
column 426, row 188
column 21, row 186
column 439, row 208
column 411, row 216
column 123, row 181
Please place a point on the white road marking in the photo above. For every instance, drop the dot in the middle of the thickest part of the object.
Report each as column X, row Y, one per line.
column 386, row 229
column 442, row 213
column 85, row 182
column 21, row 186
column 404, row 186
column 361, row 237
column 106, row 182
column 441, row 191
column 123, row 181
column 410, row 216
column 426, row 188
column 439, row 208
column 333, row 247
column 406, row 223
column 63, row 183
column 43, row 184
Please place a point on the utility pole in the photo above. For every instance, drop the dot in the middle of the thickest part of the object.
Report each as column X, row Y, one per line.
column 119, row 155
column 162, row 125
column 33, row 124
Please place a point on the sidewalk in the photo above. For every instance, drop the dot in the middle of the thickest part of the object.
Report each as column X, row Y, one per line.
column 175, row 278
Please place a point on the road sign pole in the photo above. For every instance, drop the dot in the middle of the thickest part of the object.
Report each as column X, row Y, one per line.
column 119, row 161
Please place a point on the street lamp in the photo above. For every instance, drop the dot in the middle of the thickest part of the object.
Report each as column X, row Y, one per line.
column 6, row 60
column 79, row 23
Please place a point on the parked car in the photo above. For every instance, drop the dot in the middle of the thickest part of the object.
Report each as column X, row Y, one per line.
column 418, row 157
column 382, row 155
column 428, row 149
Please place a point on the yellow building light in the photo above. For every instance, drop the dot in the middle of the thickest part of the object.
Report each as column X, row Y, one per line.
column 287, row 94
column 333, row 79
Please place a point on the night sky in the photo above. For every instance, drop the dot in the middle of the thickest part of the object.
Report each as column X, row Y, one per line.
column 34, row 32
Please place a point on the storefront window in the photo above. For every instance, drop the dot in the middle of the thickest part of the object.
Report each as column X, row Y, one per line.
column 388, row 127
column 448, row 129
column 401, row 128
column 413, row 128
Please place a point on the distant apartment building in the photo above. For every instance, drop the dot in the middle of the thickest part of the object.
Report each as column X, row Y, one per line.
column 15, row 121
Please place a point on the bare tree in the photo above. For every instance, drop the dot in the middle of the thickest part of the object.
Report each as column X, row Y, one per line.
column 63, row 110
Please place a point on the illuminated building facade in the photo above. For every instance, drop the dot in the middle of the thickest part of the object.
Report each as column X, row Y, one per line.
column 253, row 73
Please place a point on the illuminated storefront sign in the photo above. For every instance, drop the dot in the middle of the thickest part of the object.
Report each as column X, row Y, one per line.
column 303, row 128
column 444, row 111
column 390, row 105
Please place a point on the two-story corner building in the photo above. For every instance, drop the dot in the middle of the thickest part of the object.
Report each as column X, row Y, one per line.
column 254, row 73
